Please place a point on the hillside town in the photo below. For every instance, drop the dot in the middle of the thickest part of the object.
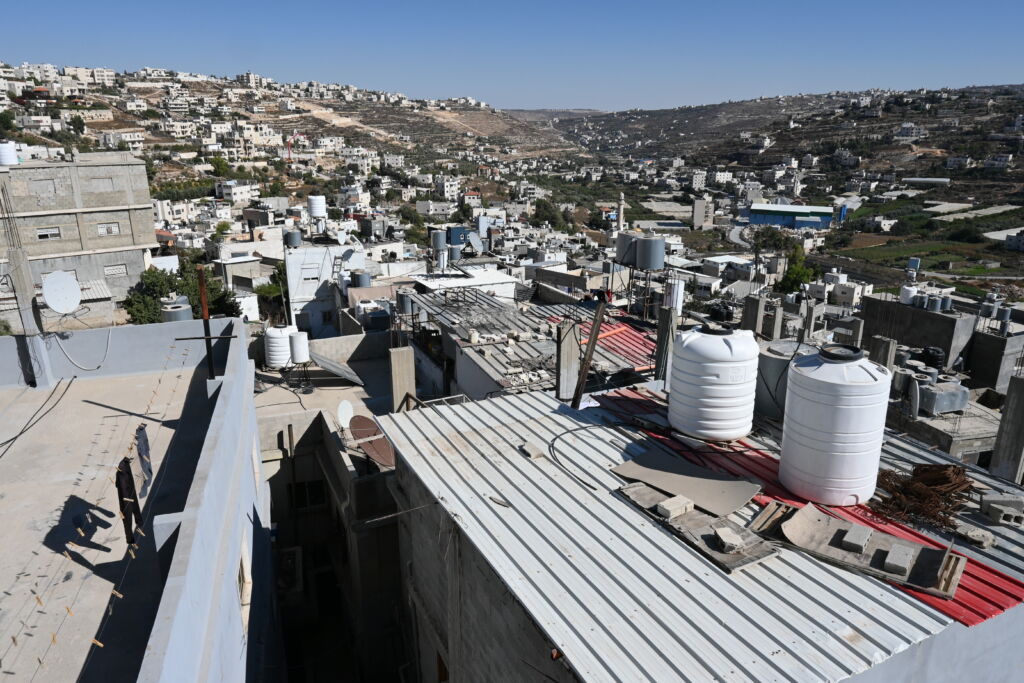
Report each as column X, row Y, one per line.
column 429, row 390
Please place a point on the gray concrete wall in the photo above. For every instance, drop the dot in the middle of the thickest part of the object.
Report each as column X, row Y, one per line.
column 990, row 651
column 463, row 612
column 202, row 631
column 92, row 266
column 916, row 326
column 991, row 360
column 353, row 347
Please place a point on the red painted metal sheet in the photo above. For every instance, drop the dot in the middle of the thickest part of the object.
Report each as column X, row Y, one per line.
column 983, row 592
column 624, row 340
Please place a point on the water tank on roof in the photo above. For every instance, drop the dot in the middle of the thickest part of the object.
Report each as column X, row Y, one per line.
column 8, row 154
column 454, row 252
column 650, row 253
column 920, row 300
column 277, row 347
column 174, row 312
column 438, row 240
column 298, row 344
column 403, row 299
column 772, row 365
column 832, row 433
column 987, row 310
column 675, row 295
column 914, row 263
column 293, row 238
column 317, row 206
column 625, row 249
column 934, row 303
column 1003, row 313
column 360, row 278
column 947, row 303
column 713, row 383
column 378, row 320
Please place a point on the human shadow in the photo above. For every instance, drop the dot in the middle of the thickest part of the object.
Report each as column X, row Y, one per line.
column 76, row 528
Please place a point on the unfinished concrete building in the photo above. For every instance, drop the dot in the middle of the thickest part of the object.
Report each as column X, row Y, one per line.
column 91, row 215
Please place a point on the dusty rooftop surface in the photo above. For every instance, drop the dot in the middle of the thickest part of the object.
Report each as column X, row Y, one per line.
column 64, row 547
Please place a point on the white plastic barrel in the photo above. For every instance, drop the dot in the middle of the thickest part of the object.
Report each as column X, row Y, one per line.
column 836, row 402
column 907, row 294
column 712, row 385
column 276, row 346
column 298, row 343
column 316, row 204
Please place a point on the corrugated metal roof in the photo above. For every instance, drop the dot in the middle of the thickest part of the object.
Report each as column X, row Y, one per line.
column 622, row 599
column 984, row 590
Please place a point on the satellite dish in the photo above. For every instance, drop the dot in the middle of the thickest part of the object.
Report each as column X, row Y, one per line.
column 61, row 292
column 344, row 413
column 347, row 254
column 474, row 241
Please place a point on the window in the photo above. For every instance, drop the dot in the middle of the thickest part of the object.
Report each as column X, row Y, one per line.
column 47, row 233
column 120, row 270
column 107, row 229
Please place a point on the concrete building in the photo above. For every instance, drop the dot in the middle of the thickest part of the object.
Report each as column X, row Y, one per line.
column 92, row 216
column 794, row 216
column 184, row 589
column 522, row 560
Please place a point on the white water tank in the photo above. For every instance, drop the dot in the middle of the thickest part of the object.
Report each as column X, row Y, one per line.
column 276, row 346
column 907, row 294
column 712, row 385
column 675, row 295
column 298, row 344
column 317, row 206
column 8, row 154
column 836, row 402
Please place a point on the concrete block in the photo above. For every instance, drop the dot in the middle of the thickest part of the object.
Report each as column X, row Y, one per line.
column 729, row 539
column 1006, row 516
column 674, row 506
column 979, row 537
column 898, row 559
column 1005, row 499
column 856, row 538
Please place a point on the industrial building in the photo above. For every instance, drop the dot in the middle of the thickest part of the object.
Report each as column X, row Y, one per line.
column 90, row 214
column 796, row 216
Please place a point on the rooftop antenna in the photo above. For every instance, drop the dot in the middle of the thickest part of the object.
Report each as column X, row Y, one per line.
column 344, row 413
column 61, row 292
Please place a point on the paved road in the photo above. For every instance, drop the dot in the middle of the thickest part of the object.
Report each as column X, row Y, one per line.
column 949, row 276
column 736, row 236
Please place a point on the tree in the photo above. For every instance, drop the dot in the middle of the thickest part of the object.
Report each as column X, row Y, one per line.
column 797, row 273
column 77, row 124
column 546, row 212
column 220, row 167
column 220, row 230
column 6, row 121
column 143, row 301
column 463, row 214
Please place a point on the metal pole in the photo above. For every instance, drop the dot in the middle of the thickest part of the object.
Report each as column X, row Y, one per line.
column 588, row 355
column 206, row 321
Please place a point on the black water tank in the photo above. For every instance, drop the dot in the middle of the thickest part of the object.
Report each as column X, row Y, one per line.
column 934, row 357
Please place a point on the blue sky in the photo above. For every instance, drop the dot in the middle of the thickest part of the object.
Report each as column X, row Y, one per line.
column 597, row 54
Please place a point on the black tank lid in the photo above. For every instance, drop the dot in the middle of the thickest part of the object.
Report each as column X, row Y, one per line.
column 841, row 352
column 721, row 331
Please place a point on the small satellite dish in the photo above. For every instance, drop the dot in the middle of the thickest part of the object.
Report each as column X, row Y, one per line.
column 474, row 241
column 344, row 413
column 61, row 292
column 347, row 254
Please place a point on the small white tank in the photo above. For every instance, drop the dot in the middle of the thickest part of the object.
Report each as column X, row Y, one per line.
column 276, row 346
column 298, row 344
column 836, row 402
column 8, row 154
column 907, row 294
column 316, row 204
column 712, row 385
column 675, row 295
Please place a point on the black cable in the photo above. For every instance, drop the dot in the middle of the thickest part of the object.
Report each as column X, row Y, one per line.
column 32, row 417
column 30, row 424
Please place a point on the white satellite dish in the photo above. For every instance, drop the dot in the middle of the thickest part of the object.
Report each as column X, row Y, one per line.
column 344, row 414
column 61, row 292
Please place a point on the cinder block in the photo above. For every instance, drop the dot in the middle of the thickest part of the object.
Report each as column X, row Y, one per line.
column 674, row 506
column 898, row 559
column 977, row 536
column 729, row 539
column 1007, row 516
column 856, row 538
column 1004, row 499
